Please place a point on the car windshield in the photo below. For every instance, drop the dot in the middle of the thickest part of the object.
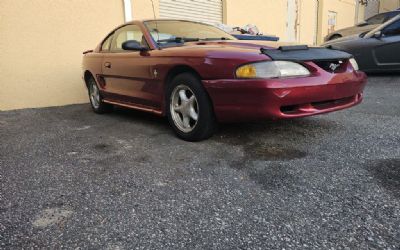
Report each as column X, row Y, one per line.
column 381, row 18
column 172, row 32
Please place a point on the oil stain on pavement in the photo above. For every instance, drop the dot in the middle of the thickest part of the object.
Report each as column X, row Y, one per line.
column 387, row 173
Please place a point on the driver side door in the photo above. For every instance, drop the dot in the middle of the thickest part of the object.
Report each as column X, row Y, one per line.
column 126, row 74
column 387, row 52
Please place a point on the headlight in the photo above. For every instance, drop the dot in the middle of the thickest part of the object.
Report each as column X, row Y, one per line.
column 354, row 64
column 272, row 69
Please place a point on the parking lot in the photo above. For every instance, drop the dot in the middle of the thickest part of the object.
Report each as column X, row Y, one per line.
column 70, row 178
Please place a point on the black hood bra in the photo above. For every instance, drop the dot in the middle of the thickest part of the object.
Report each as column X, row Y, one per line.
column 305, row 53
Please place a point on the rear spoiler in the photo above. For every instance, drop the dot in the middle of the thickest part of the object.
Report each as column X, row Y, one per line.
column 87, row 51
column 305, row 53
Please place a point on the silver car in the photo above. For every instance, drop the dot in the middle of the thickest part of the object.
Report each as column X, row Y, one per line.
column 368, row 25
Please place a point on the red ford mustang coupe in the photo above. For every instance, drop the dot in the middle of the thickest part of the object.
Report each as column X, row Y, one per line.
column 198, row 75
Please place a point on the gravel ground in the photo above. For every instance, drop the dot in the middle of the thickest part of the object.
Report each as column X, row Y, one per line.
column 73, row 179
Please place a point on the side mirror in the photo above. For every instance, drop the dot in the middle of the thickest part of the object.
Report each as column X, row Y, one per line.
column 377, row 34
column 362, row 24
column 133, row 45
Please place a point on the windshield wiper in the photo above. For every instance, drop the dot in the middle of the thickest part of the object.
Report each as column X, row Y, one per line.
column 178, row 40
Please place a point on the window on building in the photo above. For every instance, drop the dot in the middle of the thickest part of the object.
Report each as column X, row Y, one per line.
column 332, row 21
column 127, row 33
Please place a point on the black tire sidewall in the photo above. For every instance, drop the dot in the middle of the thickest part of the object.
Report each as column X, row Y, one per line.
column 206, row 123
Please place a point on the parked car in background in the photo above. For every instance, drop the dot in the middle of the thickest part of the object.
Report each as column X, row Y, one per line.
column 375, row 51
column 368, row 25
column 198, row 75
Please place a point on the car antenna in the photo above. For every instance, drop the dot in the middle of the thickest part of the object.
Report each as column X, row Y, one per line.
column 155, row 20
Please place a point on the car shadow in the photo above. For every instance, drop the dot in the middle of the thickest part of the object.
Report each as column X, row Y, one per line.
column 160, row 124
column 260, row 150
column 241, row 134
column 383, row 74
column 387, row 174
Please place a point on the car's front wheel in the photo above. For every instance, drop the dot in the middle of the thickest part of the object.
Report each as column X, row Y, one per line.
column 189, row 108
column 96, row 99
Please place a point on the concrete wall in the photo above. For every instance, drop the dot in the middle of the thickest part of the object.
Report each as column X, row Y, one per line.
column 143, row 9
column 41, row 48
column 263, row 13
column 307, row 27
column 389, row 5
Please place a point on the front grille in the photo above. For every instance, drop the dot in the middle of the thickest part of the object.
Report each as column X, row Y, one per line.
column 333, row 66
column 332, row 103
column 322, row 105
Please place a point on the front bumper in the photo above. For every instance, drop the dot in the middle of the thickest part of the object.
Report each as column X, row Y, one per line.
column 254, row 99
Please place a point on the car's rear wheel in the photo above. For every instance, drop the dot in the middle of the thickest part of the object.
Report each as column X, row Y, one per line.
column 96, row 99
column 189, row 108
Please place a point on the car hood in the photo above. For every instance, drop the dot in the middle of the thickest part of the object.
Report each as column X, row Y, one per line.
column 233, row 46
column 355, row 30
column 342, row 40
column 241, row 44
column 250, row 51
column 231, row 49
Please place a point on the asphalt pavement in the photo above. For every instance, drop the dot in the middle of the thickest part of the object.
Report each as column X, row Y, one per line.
column 72, row 179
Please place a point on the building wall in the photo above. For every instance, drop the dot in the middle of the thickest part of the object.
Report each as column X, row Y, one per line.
column 263, row 13
column 372, row 8
column 389, row 5
column 41, row 48
column 143, row 9
column 307, row 27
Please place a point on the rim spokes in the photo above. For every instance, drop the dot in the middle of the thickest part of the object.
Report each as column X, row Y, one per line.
column 94, row 95
column 184, row 109
column 182, row 95
column 193, row 114
column 186, row 121
column 178, row 108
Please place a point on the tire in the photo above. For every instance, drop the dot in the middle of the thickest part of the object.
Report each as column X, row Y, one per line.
column 189, row 108
column 96, row 100
column 334, row 37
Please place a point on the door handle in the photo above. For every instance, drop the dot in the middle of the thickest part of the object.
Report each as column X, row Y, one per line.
column 107, row 65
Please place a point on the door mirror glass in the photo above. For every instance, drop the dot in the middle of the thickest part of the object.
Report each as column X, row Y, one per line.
column 133, row 45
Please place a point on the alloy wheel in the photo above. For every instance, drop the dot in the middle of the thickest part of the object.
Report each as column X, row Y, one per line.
column 94, row 94
column 184, row 108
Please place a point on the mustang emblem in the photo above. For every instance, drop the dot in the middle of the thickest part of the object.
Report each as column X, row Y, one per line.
column 335, row 66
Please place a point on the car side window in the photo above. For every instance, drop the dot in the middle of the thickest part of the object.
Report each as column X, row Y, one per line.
column 393, row 29
column 127, row 33
column 390, row 15
column 377, row 19
column 106, row 44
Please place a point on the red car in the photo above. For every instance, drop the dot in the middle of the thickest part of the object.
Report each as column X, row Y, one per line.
column 197, row 75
